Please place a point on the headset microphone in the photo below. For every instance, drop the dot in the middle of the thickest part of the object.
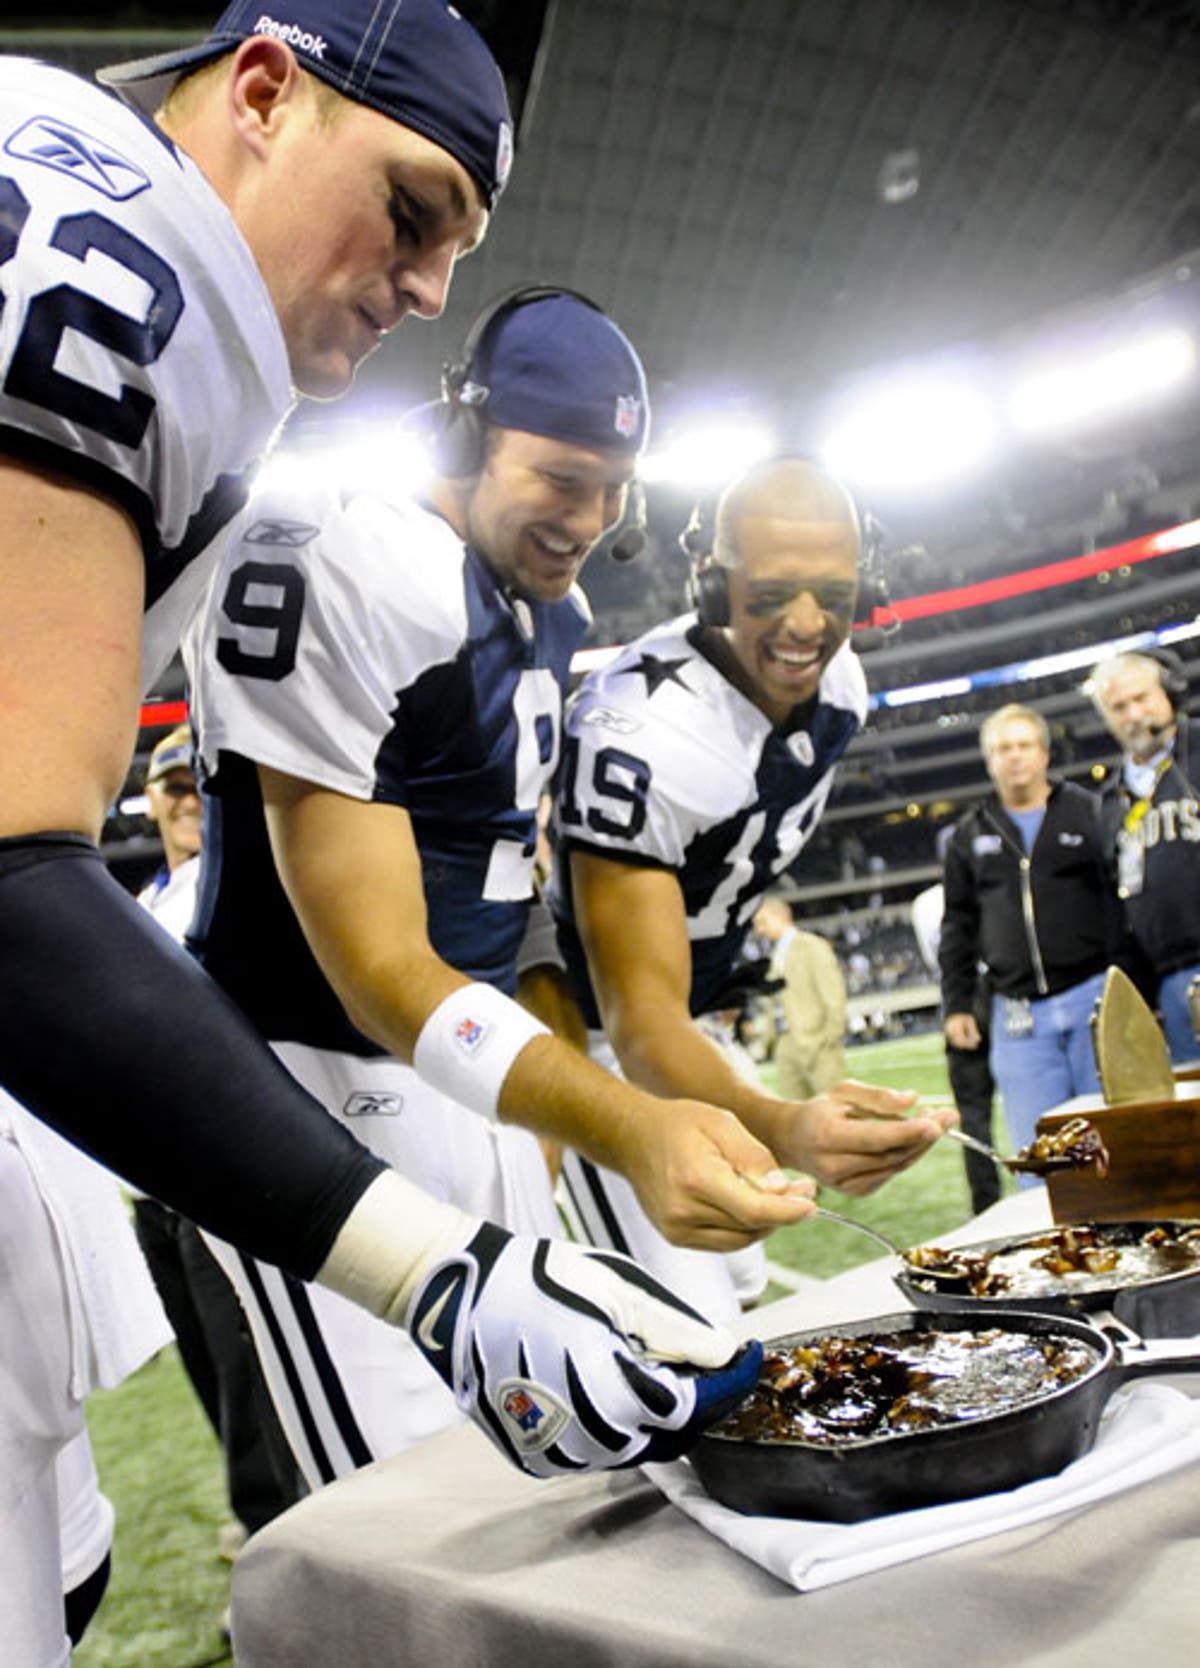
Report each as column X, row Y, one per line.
column 632, row 536
column 629, row 542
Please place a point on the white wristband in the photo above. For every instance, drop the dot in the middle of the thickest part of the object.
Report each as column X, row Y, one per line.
column 469, row 1042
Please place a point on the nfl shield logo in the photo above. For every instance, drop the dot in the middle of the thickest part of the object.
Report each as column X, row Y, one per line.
column 801, row 747
column 468, row 1034
column 533, row 1417
column 521, row 1407
column 628, row 415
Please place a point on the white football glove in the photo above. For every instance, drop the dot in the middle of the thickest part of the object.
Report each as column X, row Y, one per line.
column 557, row 1351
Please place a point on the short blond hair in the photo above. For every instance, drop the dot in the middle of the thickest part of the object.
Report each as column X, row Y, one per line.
column 1014, row 709
column 186, row 95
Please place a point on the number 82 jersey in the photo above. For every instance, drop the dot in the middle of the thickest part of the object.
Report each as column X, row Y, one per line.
column 139, row 351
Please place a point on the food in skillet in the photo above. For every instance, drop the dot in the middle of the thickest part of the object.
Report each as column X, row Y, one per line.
column 836, row 1390
column 1066, row 1259
column 1075, row 1145
column 961, row 1268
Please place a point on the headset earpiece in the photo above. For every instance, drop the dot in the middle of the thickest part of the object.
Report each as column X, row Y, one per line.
column 1171, row 672
column 458, row 425
column 457, row 431
column 708, row 582
column 708, row 592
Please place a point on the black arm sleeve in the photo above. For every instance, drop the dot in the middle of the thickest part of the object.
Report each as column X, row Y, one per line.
column 111, row 1033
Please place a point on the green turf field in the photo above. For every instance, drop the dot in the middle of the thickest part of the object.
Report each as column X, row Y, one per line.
column 159, row 1462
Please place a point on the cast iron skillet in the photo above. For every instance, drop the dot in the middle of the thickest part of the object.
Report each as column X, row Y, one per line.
column 1167, row 1306
column 899, row 1472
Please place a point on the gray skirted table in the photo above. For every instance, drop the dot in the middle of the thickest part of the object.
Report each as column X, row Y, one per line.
column 445, row 1557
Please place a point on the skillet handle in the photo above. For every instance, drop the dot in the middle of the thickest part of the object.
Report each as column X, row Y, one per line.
column 1137, row 1356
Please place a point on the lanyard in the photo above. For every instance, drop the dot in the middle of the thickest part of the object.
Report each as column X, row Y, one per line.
column 1135, row 813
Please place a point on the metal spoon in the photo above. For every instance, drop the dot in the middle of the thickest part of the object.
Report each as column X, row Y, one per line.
column 957, row 1277
column 1018, row 1165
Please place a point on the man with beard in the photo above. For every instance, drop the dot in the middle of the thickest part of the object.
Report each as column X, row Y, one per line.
column 378, row 692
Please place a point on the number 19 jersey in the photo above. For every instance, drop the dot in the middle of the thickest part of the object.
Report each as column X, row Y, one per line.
column 666, row 763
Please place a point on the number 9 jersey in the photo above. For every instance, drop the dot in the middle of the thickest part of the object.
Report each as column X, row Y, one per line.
column 139, row 350
column 359, row 645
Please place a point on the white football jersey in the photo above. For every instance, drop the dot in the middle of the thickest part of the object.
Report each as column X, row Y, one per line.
column 666, row 763
column 359, row 645
column 139, row 351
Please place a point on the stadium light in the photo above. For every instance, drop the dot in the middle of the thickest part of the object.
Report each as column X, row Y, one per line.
column 926, row 692
column 384, row 458
column 917, row 433
column 1069, row 395
column 709, row 455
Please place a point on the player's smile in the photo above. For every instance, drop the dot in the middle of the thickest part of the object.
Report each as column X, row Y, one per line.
column 792, row 592
column 539, row 507
column 561, row 550
column 793, row 666
column 791, row 659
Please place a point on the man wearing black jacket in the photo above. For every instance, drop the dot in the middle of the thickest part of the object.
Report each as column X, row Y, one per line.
column 1150, row 811
column 1027, row 897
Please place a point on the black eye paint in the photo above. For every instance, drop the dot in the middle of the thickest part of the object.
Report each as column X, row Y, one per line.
column 835, row 600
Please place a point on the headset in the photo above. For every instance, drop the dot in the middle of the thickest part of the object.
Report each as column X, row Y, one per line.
column 456, row 423
column 1171, row 672
column 708, row 581
column 1172, row 675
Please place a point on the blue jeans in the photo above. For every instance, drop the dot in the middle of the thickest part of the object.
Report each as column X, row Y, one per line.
column 1053, row 1063
column 1176, row 1016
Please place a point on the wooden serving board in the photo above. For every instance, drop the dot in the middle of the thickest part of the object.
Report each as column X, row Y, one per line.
column 1154, row 1160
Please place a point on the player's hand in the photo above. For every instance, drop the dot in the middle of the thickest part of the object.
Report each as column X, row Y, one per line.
column 857, row 1136
column 705, row 1181
column 558, row 1352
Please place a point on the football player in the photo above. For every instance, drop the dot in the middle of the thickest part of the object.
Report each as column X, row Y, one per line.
column 697, row 764
column 165, row 288
column 378, row 692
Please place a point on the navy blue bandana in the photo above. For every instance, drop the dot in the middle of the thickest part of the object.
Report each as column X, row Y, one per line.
column 560, row 368
column 416, row 61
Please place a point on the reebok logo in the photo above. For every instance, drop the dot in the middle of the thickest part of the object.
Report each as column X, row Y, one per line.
column 368, row 1103
column 293, row 35
column 289, row 535
column 71, row 151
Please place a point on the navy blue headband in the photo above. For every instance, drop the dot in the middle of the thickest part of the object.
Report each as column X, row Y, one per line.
column 416, row 61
